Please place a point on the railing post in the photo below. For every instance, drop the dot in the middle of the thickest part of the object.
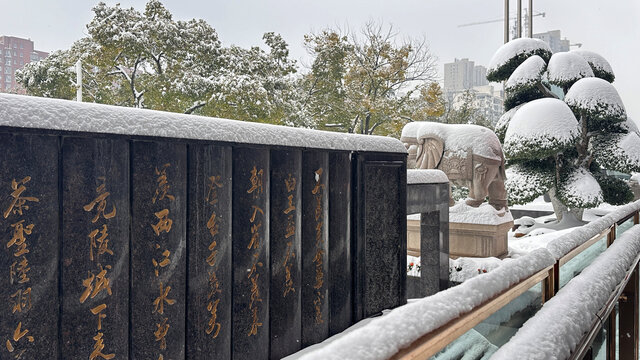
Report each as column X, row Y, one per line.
column 556, row 277
column 548, row 287
column 636, row 218
column 611, row 236
column 611, row 335
column 628, row 319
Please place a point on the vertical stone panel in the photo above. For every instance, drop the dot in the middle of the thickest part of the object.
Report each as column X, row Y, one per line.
column 340, row 282
column 29, row 255
column 209, row 288
column 95, row 248
column 315, row 247
column 158, row 257
column 250, row 329
column 285, row 255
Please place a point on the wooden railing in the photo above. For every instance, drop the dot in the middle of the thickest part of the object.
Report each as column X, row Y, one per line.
column 436, row 340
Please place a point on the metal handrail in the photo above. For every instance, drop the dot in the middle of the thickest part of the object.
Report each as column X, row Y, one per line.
column 434, row 341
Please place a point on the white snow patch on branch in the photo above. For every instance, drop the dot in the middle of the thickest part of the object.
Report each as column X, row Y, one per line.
column 514, row 48
column 528, row 73
column 567, row 67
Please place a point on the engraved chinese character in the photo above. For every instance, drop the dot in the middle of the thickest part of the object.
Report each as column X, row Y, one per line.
column 98, row 311
column 98, row 346
column 17, row 335
column 18, row 271
column 319, row 185
column 212, row 307
column 290, row 183
column 255, row 291
column 213, row 225
column 21, row 300
column 160, row 300
column 212, row 193
column 214, row 285
column 253, row 330
column 101, row 243
column 101, row 283
column 101, row 202
column 164, row 262
column 161, row 333
column 162, row 189
column 256, row 182
column 19, row 202
column 211, row 259
column 19, row 239
column 164, row 223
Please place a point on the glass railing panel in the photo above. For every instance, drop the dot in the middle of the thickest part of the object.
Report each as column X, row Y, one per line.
column 485, row 338
column 624, row 227
column 575, row 266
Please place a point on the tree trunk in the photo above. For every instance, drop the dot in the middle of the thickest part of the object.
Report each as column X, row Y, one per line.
column 561, row 210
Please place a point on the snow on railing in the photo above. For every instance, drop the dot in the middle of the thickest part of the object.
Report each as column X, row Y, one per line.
column 383, row 337
column 564, row 244
column 558, row 328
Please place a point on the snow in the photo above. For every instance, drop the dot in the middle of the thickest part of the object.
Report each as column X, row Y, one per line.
column 618, row 151
column 596, row 61
column 567, row 67
column 504, row 120
column 484, row 214
column 562, row 245
column 581, row 189
column 384, row 336
column 528, row 73
column 513, row 48
column 555, row 331
column 547, row 124
column 524, row 185
column 426, row 176
column 458, row 138
column 53, row 114
column 596, row 94
column 465, row 268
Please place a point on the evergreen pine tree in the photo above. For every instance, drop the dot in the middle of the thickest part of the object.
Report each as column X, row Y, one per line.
column 564, row 125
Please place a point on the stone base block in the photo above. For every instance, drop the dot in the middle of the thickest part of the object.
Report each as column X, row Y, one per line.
column 413, row 237
column 478, row 240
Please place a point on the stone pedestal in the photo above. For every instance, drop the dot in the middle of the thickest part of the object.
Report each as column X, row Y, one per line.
column 478, row 240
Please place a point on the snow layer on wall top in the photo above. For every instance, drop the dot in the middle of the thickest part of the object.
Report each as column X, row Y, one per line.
column 484, row 214
column 426, row 176
column 556, row 330
column 53, row 114
column 382, row 337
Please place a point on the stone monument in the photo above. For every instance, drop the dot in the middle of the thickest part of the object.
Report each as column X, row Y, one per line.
column 471, row 156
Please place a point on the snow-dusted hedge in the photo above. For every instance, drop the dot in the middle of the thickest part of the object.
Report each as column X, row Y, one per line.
column 539, row 129
column 579, row 189
column 619, row 152
column 503, row 122
column 566, row 68
column 556, row 330
column 510, row 55
column 600, row 66
column 525, row 183
column 522, row 84
column 598, row 100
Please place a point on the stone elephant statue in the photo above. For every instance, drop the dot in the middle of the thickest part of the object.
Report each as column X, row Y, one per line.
column 470, row 155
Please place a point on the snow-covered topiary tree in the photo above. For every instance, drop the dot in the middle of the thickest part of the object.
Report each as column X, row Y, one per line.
column 564, row 125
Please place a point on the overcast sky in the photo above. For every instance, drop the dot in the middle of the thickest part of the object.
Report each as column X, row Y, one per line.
column 611, row 28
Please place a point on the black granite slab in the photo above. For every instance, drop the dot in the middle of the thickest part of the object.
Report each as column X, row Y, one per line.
column 340, row 282
column 209, row 288
column 315, row 247
column 29, row 203
column 158, row 256
column 285, row 255
column 250, row 329
column 381, row 234
column 95, row 248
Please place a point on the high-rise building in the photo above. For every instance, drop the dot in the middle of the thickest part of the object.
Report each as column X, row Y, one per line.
column 14, row 54
column 463, row 74
column 556, row 43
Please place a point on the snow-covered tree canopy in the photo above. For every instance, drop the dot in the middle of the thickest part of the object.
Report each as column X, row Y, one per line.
column 148, row 59
column 561, row 142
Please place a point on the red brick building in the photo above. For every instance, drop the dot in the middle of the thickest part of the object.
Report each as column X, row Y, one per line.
column 14, row 54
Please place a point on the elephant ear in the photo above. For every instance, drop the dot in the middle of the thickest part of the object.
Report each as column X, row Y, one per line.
column 430, row 152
